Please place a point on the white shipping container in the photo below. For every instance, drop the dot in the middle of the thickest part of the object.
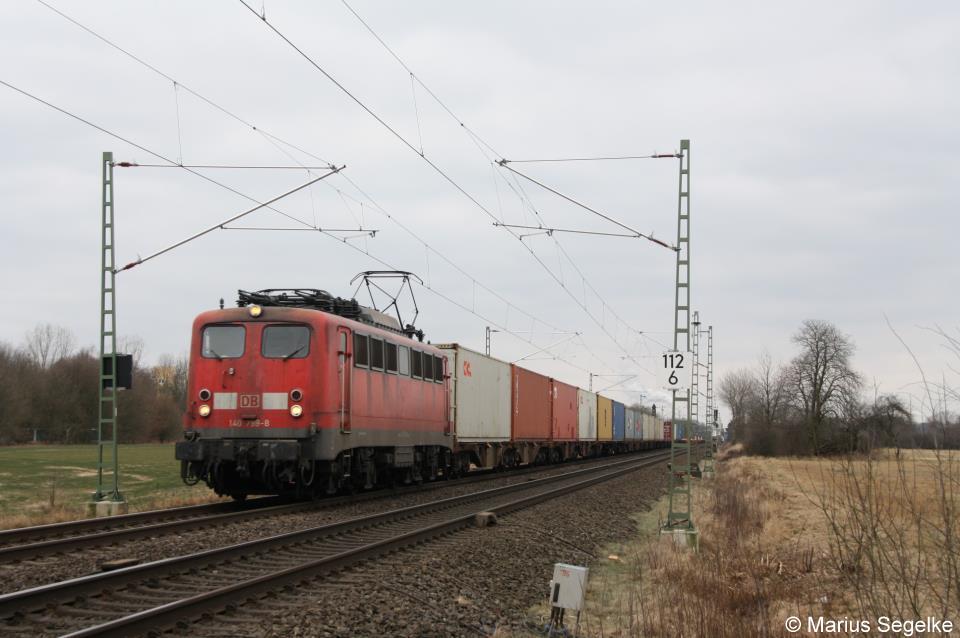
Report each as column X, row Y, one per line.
column 652, row 430
column 586, row 415
column 634, row 419
column 479, row 395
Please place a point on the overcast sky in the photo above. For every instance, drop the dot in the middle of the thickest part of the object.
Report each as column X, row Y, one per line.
column 824, row 139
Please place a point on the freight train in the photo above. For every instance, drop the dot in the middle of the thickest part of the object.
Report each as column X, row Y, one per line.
column 299, row 392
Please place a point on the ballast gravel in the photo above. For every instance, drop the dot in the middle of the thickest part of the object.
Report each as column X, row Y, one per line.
column 476, row 582
column 19, row 575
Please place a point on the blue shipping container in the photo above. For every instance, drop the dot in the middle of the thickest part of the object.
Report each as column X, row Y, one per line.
column 619, row 420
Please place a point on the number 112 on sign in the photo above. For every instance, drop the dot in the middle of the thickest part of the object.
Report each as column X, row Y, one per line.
column 676, row 370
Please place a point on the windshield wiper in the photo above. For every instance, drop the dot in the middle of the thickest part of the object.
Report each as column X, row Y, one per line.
column 214, row 353
column 297, row 351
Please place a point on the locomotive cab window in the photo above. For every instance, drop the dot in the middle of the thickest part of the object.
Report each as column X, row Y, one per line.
column 390, row 354
column 427, row 367
column 416, row 364
column 438, row 369
column 403, row 361
column 376, row 353
column 361, row 357
column 285, row 342
column 222, row 342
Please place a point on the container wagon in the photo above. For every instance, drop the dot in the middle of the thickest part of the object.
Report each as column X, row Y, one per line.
column 565, row 412
column 619, row 421
column 532, row 416
column 633, row 418
column 587, row 421
column 604, row 418
column 480, row 407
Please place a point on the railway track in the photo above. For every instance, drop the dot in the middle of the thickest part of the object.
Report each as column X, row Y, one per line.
column 45, row 540
column 166, row 592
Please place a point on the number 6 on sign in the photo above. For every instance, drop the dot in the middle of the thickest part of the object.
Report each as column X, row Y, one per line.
column 676, row 370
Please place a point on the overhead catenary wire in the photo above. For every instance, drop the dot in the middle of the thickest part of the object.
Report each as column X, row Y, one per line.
column 276, row 140
column 176, row 99
column 370, row 111
column 546, row 349
column 503, row 162
column 481, row 144
column 342, row 240
column 282, row 145
column 181, row 85
column 224, row 166
column 593, row 159
column 226, row 221
column 370, row 232
column 411, row 146
column 550, row 231
column 449, row 261
column 520, row 192
column 489, row 320
column 635, row 232
column 141, row 147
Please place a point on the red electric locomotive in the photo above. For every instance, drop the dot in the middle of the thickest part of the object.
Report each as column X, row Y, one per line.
column 300, row 392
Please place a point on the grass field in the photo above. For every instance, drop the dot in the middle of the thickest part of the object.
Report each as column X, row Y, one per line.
column 47, row 483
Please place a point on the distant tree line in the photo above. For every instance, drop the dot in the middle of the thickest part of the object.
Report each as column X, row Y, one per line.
column 814, row 404
column 48, row 392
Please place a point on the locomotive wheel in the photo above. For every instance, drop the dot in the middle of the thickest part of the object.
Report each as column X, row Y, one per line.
column 239, row 497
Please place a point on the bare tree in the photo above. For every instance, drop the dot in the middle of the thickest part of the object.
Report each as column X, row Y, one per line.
column 738, row 390
column 821, row 377
column 47, row 343
column 171, row 374
column 770, row 382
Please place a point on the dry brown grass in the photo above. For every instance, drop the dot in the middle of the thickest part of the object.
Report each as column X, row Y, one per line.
column 781, row 537
column 43, row 514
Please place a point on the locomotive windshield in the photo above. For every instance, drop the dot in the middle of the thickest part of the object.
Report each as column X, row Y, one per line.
column 286, row 342
column 223, row 342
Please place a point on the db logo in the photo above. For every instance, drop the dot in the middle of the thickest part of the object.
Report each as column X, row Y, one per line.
column 249, row 400
column 466, row 369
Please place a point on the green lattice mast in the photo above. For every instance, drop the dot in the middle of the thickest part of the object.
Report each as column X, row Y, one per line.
column 711, row 421
column 108, row 488
column 679, row 515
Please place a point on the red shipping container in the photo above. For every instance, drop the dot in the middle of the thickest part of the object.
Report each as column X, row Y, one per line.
column 564, row 412
column 532, row 405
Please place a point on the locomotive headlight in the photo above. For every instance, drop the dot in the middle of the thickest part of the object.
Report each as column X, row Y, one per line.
column 256, row 311
column 296, row 410
column 204, row 410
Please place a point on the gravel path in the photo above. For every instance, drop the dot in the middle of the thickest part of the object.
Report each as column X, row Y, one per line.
column 31, row 573
column 471, row 583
